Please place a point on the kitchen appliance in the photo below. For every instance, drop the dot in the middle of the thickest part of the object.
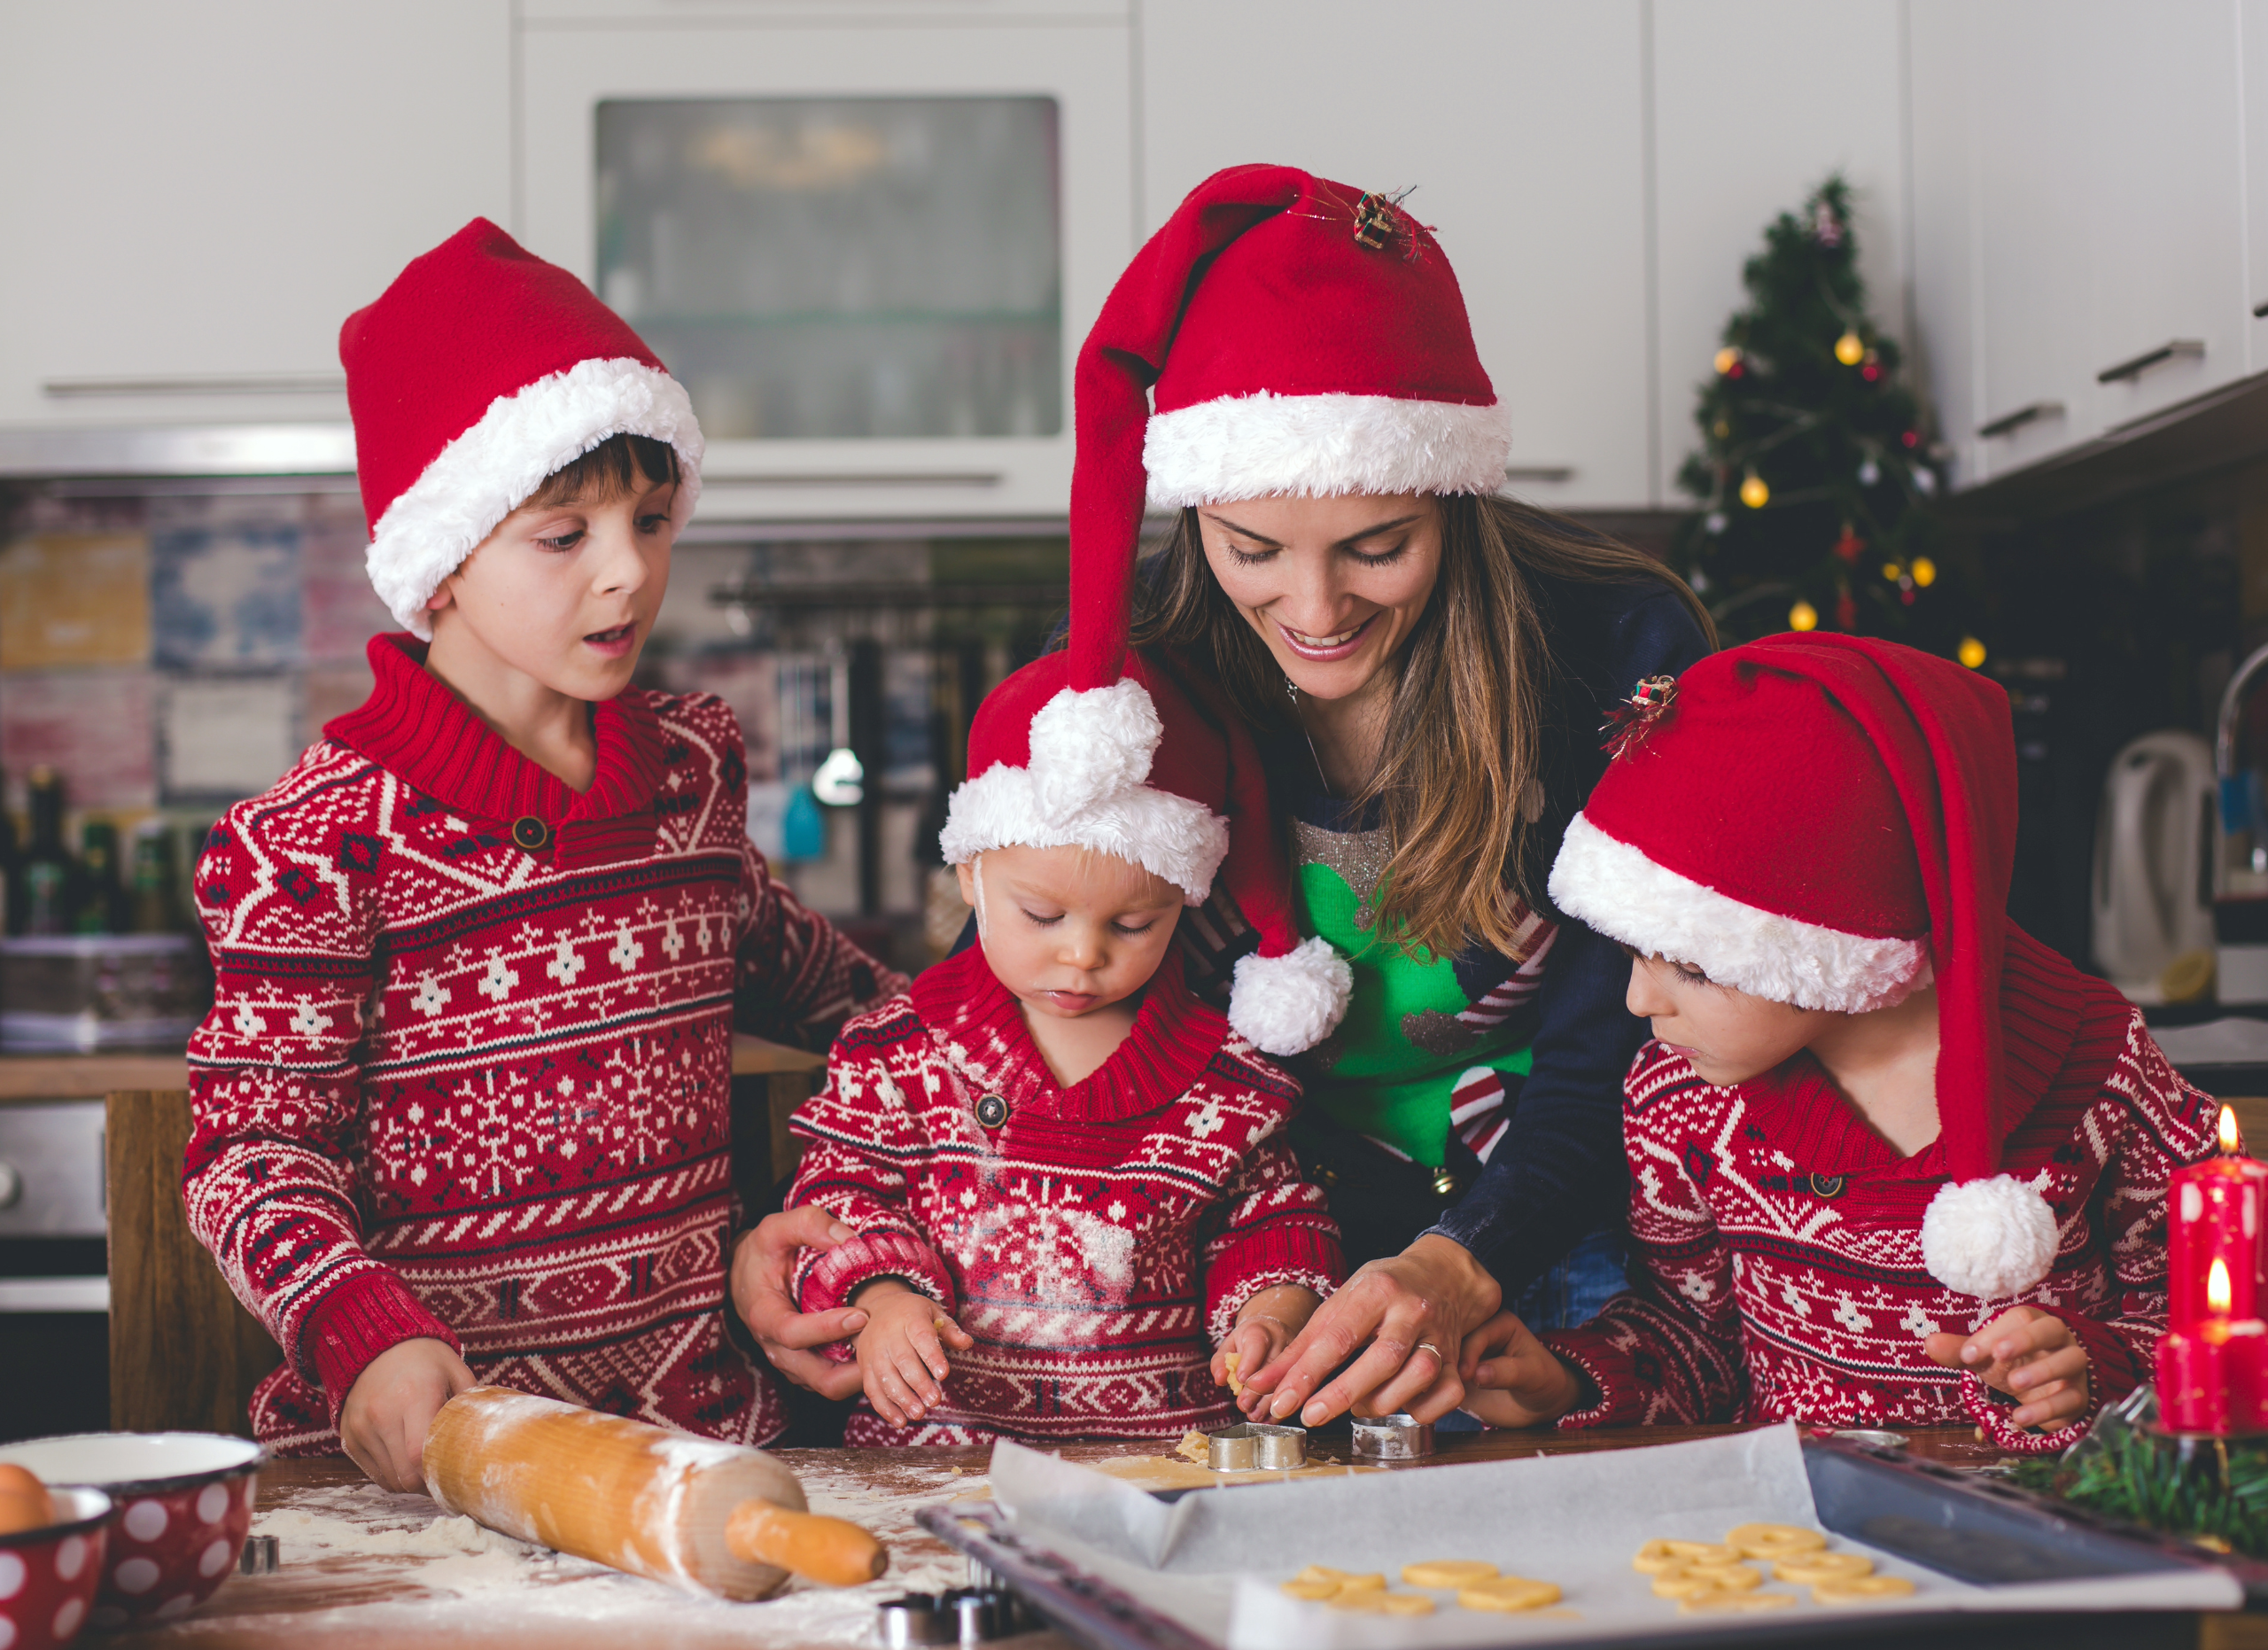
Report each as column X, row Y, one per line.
column 2153, row 885
column 2240, row 861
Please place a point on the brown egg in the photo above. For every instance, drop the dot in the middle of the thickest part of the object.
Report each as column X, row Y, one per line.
column 23, row 1500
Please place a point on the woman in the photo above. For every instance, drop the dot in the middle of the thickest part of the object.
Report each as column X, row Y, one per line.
column 1427, row 666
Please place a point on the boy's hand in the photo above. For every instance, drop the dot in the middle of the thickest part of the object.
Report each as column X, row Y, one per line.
column 1516, row 1381
column 901, row 1350
column 2029, row 1353
column 1266, row 1324
column 390, row 1407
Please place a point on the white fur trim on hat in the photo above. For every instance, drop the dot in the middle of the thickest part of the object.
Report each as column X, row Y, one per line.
column 1618, row 890
column 1267, row 445
column 1285, row 1005
column 495, row 466
column 1993, row 1238
column 1090, row 755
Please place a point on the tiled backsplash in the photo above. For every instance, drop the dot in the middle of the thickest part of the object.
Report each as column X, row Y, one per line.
column 173, row 650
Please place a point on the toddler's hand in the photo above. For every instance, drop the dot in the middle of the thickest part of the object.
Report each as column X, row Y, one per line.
column 1266, row 1324
column 1515, row 1380
column 901, row 1350
column 390, row 1407
column 2030, row 1353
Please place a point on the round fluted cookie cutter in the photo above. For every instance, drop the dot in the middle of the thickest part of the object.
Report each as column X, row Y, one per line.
column 1252, row 1446
column 1391, row 1439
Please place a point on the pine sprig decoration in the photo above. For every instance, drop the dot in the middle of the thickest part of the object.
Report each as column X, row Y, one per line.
column 2212, row 1490
column 1814, row 477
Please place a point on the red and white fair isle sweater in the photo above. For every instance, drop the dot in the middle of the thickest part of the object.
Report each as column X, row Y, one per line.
column 1096, row 1243
column 1776, row 1240
column 454, row 1084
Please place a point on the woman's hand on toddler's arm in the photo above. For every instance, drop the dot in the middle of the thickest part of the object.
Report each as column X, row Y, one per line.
column 902, row 1349
column 390, row 1407
column 2029, row 1353
column 1266, row 1325
column 1514, row 1379
column 764, row 1261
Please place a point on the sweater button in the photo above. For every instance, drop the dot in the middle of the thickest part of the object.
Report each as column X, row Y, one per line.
column 992, row 1110
column 531, row 833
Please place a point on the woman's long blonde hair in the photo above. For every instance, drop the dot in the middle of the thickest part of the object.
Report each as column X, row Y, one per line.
column 1457, row 786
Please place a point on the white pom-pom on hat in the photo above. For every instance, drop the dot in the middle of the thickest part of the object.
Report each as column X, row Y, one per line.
column 1089, row 745
column 1992, row 1238
column 1284, row 1005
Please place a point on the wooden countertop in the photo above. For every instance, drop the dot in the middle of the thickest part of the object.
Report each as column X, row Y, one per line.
column 30, row 1078
column 337, row 1598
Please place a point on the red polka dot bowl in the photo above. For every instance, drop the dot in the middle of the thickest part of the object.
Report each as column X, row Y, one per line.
column 48, row 1575
column 181, row 1507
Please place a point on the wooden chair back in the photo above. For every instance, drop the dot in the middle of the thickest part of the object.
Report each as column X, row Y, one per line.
column 184, row 1355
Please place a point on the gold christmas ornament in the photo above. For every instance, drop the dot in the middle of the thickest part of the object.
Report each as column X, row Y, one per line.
column 1972, row 652
column 1754, row 493
column 1893, row 571
column 1803, row 615
column 1850, row 349
column 1924, row 572
column 1728, row 358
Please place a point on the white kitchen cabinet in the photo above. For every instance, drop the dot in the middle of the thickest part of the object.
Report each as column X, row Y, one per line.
column 2165, row 162
column 1521, row 124
column 836, row 108
column 1756, row 101
column 2080, row 212
column 2252, row 23
column 197, row 197
column 1946, row 367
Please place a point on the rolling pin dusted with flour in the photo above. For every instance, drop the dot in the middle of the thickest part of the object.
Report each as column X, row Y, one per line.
column 707, row 1516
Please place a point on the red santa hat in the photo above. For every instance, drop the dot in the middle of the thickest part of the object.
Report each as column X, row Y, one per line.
column 1281, row 334
column 1829, row 820
column 480, row 371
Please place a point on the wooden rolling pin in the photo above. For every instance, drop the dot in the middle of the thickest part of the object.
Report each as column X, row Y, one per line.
column 710, row 1517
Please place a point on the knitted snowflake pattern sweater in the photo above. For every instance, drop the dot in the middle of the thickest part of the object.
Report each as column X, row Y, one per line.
column 1777, row 1240
column 1095, row 1244
column 468, row 1070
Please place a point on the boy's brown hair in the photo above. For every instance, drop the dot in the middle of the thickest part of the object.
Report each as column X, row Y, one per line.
column 620, row 464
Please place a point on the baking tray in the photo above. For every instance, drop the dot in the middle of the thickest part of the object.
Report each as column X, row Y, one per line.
column 1973, row 1530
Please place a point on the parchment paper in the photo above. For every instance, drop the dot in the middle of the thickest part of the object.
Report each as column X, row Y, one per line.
column 1213, row 1562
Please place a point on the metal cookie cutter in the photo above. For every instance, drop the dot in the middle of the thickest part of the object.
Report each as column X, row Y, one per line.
column 1252, row 1446
column 1393, row 1438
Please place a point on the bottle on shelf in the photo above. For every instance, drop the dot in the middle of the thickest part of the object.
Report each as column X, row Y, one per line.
column 151, row 900
column 45, row 873
column 99, row 910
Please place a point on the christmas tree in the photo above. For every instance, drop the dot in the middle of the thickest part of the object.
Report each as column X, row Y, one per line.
column 1814, row 477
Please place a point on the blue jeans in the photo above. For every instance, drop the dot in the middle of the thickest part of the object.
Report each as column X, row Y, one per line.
column 1569, row 1295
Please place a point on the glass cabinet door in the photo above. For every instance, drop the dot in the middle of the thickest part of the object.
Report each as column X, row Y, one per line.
column 870, row 250
column 844, row 268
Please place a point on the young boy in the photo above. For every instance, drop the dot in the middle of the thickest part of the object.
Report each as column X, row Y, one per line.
column 1060, row 1165
column 1894, row 1163
column 461, row 1104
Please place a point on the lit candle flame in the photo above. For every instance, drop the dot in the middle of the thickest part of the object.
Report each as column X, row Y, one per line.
column 2228, row 1132
column 2217, row 1288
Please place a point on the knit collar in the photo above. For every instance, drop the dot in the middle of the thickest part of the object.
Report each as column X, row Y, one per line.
column 981, row 1025
column 412, row 725
column 1800, row 1106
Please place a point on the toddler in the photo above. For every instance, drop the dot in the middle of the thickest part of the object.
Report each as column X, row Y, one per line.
column 1893, row 1162
column 1068, row 1177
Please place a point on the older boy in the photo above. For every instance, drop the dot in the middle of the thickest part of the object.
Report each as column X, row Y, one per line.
column 462, row 1102
column 1893, row 1162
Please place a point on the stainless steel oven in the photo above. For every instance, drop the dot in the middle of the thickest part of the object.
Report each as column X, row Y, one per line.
column 54, row 1282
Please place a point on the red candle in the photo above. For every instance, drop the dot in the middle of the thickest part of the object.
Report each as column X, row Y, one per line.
column 2212, row 1363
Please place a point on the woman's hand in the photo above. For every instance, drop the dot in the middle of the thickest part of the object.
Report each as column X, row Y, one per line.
column 2029, row 1353
column 763, row 1261
column 1406, row 1315
column 1515, row 1380
column 1265, row 1326
column 390, row 1407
